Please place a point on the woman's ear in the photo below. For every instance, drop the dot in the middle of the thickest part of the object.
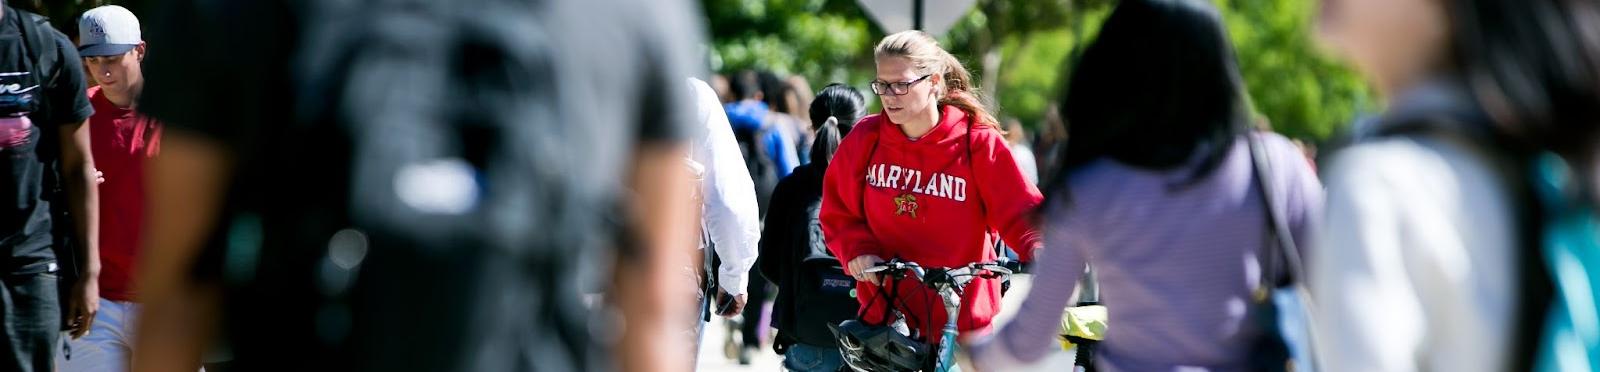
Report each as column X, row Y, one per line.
column 937, row 82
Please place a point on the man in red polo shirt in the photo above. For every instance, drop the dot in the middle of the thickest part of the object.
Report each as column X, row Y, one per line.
column 120, row 140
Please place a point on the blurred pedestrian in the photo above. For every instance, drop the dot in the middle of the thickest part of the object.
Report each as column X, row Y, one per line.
column 50, row 228
column 719, row 84
column 800, row 98
column 766, row 138
column 797, row 97
column 760, row 140
column 1017, row 138
column 1048, row 145
column 419, row 186
column 1431, row 259
column 1159, row 193
column 122, row 140
column 729, row 215
column 784, row 116
column 813, row 290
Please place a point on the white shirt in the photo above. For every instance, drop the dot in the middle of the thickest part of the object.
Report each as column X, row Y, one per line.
column 1414, row 269
column 1025, row 161
column 731, row 216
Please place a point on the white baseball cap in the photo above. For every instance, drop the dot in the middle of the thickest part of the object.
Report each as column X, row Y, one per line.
column 107, row 31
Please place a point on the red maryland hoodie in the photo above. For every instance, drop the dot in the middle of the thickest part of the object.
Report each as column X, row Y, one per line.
column 933, row 201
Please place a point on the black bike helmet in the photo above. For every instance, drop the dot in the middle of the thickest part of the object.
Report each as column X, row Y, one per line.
column 868, row 348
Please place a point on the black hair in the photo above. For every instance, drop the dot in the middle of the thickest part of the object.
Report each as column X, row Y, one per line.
column 745, row 84
column 1158, row 86
column 833, row 113
column 772, row 89
column 1534, row 68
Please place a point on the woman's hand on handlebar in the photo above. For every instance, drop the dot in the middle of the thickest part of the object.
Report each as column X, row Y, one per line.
column 858, row 267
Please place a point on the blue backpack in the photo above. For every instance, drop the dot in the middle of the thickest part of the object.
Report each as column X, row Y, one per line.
column 1570, row 247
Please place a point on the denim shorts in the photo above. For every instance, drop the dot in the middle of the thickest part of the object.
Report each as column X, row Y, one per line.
column 812, row 358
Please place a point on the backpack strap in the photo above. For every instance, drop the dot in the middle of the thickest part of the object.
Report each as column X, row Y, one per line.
column 37, row 37
column 41, row 48
column 1281, row 263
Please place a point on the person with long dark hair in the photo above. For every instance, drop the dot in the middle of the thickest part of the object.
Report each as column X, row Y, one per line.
column 1157, row 191
column 1431, row 260
column 813, row 290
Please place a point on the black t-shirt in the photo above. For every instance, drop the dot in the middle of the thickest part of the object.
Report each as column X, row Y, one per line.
column 602, row 77
column 25, row 227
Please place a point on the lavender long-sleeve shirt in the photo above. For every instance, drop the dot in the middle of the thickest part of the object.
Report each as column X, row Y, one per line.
column 1176, row 264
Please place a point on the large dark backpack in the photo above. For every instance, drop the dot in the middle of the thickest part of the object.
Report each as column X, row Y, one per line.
column 822, row 285
column 460, row 198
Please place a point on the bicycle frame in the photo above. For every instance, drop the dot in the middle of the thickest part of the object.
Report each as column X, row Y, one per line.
column 949, row 283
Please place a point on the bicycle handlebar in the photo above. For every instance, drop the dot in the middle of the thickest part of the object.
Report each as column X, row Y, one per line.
column 950, row 283
column 1000, row 268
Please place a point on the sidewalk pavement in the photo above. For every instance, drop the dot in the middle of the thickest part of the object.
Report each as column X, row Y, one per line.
column 712, row 358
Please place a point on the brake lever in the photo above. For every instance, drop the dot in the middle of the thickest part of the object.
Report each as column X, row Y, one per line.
column 992, row 271
column 1010, row 264
column 894, row 267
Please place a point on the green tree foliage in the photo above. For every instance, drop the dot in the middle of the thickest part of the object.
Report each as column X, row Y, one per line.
column 823, row 40
column 1026, row 46
column 1303, row 93
column 1030, row 54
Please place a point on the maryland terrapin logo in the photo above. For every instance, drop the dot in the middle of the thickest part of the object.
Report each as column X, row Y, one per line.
column 905, row 204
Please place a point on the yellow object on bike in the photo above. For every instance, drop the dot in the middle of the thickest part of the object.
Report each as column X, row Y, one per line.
column 1086, row 322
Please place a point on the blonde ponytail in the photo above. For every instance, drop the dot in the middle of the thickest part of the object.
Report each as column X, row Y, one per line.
column 928, row 58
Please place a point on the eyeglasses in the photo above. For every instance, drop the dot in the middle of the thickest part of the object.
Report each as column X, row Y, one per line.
column 884, row 88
